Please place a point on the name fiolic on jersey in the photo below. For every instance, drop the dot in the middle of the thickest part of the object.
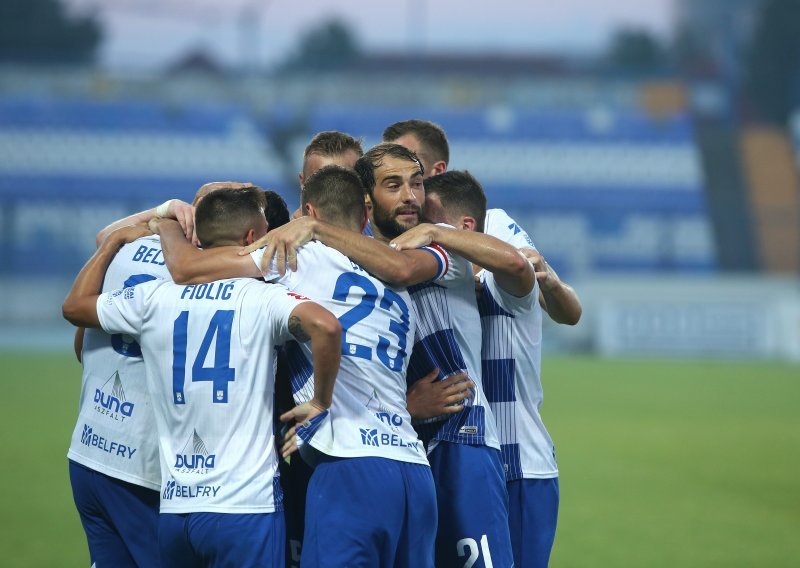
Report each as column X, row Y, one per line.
column 212, row 291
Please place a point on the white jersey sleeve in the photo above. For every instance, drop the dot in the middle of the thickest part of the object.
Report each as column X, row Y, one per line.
column 123, row 310
column 452, row 268
column 279, row 311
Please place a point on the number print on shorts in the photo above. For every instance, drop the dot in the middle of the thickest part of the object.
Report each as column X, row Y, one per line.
column 469, row 546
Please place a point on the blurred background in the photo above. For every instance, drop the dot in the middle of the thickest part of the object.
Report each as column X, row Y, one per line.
column 649, row 147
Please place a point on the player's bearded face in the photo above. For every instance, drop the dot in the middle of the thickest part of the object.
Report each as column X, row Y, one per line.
column 394, row 221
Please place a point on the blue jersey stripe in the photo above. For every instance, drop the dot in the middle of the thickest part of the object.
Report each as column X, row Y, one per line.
column 300, row 368
column 498, row 379
column 512, row 464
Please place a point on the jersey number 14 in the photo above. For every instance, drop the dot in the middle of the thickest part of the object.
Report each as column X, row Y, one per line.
column 221, row 373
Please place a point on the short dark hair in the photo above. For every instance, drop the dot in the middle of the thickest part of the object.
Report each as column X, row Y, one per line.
column 459, row 193
column 224, row 216
column 332, row 143
column 430, row 135
column 338, row 194
column 373, row 159
column 275, row 210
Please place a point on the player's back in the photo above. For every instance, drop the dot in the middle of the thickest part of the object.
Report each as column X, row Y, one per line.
column 209, row 353
column 368, row 416
column 114, row 404
column 511, row 357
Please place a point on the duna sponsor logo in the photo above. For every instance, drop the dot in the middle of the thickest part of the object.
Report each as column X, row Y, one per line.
column 110, row 399
column 195, row 457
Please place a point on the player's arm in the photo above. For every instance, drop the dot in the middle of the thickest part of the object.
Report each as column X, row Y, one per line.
column 511, row 270
column 396, row 268
column 80, row 306
column 78, row 343
column 176, row 209
column 188, row 264
column 556, row 297
column 311, row 322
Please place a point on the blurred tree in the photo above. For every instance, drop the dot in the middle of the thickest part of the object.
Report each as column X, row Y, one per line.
column 637, row 50
column 690, row 52
column 330, row 45
column 773, row 71
column 41, row 31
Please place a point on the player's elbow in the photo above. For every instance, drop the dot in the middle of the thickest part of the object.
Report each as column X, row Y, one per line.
column 179, row 274
column 71, row 312
column 404, row 275
column 574, row 315
column 517, row 265
column 568, row 316
column 328, row 329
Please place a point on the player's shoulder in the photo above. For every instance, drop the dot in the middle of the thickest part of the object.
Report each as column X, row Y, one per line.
column 316, row 259
column 142, row 255
column 452, row 266
column 146, row 241
column 501, row 225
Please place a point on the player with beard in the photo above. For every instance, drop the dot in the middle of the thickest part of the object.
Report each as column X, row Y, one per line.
column 366, row 443
column 528, row 451
column 462, row 447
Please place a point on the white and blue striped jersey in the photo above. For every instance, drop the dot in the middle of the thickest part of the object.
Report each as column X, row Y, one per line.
column 449, row 338
column 511, row 363
column 209, row 353
column 368, row 416
column 114, row 404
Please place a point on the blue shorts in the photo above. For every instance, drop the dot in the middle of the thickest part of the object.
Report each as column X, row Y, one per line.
column 532, row 516
column 473, row 506
column 214, row 540
column 120, row 518
column 369, row 512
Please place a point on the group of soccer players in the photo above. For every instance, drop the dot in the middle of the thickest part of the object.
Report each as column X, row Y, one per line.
column 403, row 323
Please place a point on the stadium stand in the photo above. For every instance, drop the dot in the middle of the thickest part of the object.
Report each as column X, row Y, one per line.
column 600, row 188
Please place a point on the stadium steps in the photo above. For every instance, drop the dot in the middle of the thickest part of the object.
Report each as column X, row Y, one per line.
column 769, row 164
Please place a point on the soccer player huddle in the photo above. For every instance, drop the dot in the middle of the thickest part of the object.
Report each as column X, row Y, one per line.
column 359, row 387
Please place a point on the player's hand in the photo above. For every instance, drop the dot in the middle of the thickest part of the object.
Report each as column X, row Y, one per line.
column 183, row 213
column 419, row 236
column 478, row 285
column 428, row 398
column 282, row 243
column 127, row 234
column 545, row 275
column 300, row 414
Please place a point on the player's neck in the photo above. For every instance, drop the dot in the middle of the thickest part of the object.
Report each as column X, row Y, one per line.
column 377, row 235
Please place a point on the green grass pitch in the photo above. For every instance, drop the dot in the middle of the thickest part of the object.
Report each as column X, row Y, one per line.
column 662, row 463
